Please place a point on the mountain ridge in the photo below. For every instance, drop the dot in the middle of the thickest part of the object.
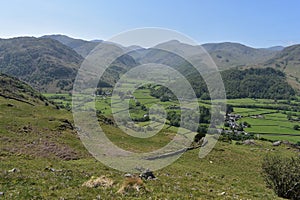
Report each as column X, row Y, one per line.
column 50, row 63
column 44, row 63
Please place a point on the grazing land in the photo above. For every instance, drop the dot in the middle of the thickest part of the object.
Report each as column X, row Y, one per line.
column 268, row 118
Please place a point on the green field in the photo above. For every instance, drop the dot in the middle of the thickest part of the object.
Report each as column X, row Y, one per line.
column 272, row 123
column 267, row 123
column 52, row 163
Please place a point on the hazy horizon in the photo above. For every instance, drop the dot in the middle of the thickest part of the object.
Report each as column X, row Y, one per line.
column 258, row 24
column 99, row 39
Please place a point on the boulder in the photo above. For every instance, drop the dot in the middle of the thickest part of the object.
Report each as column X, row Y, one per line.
column 13, row 170
column 147, row 175
column 249, row 142
column 277, row 143
column 128, row 175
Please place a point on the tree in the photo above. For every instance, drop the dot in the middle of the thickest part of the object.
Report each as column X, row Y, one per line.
column 246, row 124
column 226, row 124
column 296, row 127
column 202, row 129
column 282, row 174
column 198, row 137
column 229, row 109
column 164, row 98
column 289, row 116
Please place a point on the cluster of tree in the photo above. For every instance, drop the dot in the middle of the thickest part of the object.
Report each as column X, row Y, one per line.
column 141, row 119
column 292, row 116
column 296, row 127
column 229, row 136
column 102, row 84
column 264, row 83
column 136, row 108
column 174, row 117
column 187, row 119
column 162, row 93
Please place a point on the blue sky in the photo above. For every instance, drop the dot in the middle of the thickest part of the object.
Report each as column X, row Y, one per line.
column 257, row 23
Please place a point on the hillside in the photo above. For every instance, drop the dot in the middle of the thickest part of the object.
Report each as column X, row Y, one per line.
column 82, row 47
column 288, row 61
column 12, row 88
column 45, row 64
column 266, row 83
column 41, row 157
column 253, row 83
column 31, row 126
column 228, row 55
column 225, row 55
column 50, row 66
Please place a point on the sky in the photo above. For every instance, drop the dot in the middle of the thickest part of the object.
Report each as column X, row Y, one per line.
column 256, row 23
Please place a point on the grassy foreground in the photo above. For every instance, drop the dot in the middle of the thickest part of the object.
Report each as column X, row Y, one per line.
column 52, row 163
column 228, row 172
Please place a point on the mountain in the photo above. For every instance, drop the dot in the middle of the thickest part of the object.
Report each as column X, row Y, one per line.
column 254, row 83
column 50, row 66
column 82, row 47
column 228, row 55
column 275, row 48
column 50, row 63
column 288, row 61
column 117, row 68
column 44, row 63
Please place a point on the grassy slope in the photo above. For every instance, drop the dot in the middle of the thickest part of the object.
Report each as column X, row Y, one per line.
column 287, row 61
column 233, row 169
column 228, row 55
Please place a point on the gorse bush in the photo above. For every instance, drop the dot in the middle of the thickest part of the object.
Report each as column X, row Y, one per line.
column 283, row 175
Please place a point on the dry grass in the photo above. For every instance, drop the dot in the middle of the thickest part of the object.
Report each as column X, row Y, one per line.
column 101, row 181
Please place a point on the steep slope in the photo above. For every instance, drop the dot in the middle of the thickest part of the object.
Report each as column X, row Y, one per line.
column 228, row 55
column 12, row 88
column 82, row 47
column 288, row 61
column 50, row 66
column 31, row 126
column 45, row 64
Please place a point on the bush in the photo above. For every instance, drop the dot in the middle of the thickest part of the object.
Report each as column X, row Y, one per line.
column 283, row 175
column 198, row 137
column 296, row 127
